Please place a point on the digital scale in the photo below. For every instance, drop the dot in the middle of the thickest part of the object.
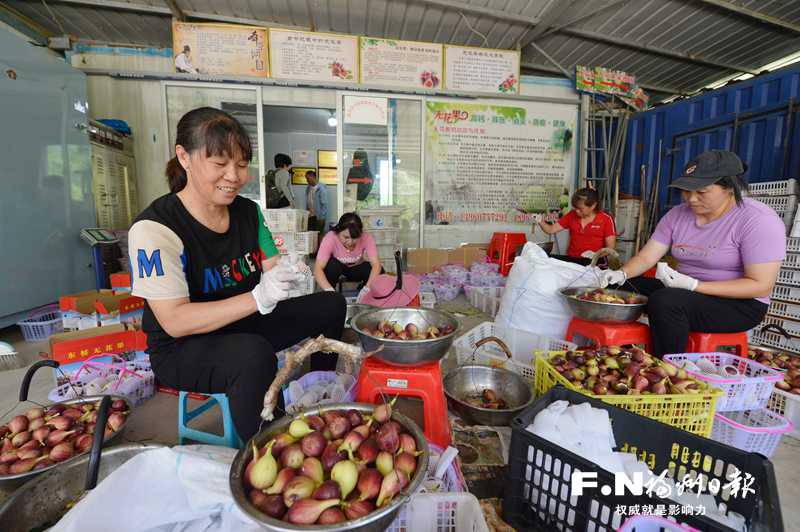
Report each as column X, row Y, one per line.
column 96, row 237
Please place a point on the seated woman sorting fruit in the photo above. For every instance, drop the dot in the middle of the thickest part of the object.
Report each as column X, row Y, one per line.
column 347, row 250
column 590, row 229
column 217, row 294
column 729, row 251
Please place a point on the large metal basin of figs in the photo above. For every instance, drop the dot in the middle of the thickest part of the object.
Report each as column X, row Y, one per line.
column 375, row 521
column 406, row 352
column 610, row 312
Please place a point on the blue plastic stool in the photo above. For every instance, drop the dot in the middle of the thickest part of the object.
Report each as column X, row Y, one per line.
column 229, row 437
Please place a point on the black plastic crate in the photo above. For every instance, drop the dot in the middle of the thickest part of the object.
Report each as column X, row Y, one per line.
column 539, row 493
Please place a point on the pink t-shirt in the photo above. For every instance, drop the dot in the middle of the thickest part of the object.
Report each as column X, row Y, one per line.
column 748, row 234
column 331, row 246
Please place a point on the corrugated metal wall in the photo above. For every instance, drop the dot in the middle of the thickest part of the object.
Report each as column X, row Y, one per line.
column 756, row 118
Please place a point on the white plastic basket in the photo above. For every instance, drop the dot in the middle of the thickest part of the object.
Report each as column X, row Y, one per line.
column 41, row 324
column 305, row 242
column 381, row 218
column 784, row 310
column 98, row 382
column 786, row 187
column 793, row 245
column 786, row 404
column 776, row 340
column 8, row 357
column 789, row 277
column 385, row 236
column 653, row 523
column 786, row 293
column 754, row 431
column 792, row 261
column 750, row 387
column 780, row 204
column 523, row 345
column 286, row 220
column 790, row 326
column 440, row 512
column 291, row 395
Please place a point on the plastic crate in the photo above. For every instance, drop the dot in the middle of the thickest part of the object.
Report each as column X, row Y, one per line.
column 793, row 245
column 784, row 310
column 41, row 324
column 8, row 357
column 286, row 220
column 776, row 340
column 752, row 389
column 790, row 326
column 781, row 204
column 291, row 394
column 754, row 431
column 773, row 188
column 539, row 494
column 381, row 218
column 792, row 261
column 440, row 512
column 305, row 242
column 427, row 299
column 690, row 412
column 789, row 277
column 653, row 523
column 786, row 404
column 135, row 389
column 387, row 236
column 522, row 344
column 786, row 293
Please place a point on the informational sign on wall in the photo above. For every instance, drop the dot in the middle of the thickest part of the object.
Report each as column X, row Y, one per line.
column 368, row 110
column 220, row 49
column 471, row 69
column 496, row 162
column 410, row 64
column 324, row 57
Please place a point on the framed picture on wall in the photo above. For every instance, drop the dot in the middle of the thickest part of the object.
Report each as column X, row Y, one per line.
column 327, row 176
column 299, row 174
column 326, row 158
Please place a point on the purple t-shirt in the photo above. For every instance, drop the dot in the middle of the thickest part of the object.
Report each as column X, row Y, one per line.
column 748, row 234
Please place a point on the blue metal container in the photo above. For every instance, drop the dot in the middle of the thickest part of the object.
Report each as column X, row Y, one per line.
column 756, row 118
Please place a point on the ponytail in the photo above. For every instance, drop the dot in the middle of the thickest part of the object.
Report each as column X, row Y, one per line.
column 176, row 175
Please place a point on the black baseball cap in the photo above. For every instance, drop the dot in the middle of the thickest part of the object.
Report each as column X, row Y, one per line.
column 708, row 168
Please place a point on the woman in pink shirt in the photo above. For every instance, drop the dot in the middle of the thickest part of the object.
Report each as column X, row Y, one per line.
column 347, row 250
column 729, row 251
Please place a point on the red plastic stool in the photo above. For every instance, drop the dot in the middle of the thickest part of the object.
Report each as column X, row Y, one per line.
column 610, row 333
column 421, row 382
column 700, row 342
column 503, row 249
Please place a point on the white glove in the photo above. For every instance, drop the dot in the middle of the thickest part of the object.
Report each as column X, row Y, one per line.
column 674, row 279
column 273, row 287
column 362, row 294
column 608, row 277
column 587, row 254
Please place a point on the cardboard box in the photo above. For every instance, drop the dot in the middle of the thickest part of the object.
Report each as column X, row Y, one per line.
column 72, row 349
column 97, row 308
column 426, row 260
column 120, row 282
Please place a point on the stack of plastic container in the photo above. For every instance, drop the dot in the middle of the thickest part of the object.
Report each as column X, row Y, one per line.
column 288, row 227
column 383, row 223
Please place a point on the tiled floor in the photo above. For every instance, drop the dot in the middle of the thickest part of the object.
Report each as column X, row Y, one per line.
column 155, row 420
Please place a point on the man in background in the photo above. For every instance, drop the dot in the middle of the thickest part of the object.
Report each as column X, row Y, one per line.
column 317, row 203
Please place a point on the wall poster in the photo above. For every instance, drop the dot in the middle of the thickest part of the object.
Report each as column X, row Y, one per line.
column 467, row 68
column 220, row 49
column 302, row 55
column 411, row 64
column 496, row 162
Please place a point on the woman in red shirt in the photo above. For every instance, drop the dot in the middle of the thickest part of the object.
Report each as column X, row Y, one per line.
column 590, row 229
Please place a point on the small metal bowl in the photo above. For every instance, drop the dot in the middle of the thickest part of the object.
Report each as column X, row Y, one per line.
column 603, row 312
column 466, row 381
column 406, row 352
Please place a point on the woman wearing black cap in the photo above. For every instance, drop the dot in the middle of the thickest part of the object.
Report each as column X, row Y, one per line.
column 729, row 251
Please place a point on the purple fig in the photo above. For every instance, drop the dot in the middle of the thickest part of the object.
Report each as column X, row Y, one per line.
column 368, row 451
column 313, row 444
column 23, row 466
column 356, row 509
column 330, row 415
column 284, row 476
column 62, row 451
column 298, row 488
column 307, row 511
column 44, row 463
column 61, row 423
column 407, row 443
column 29, row 453
column 331, row 516
column 330, row 456
column 6, row 445
column 20, row 438
column 292, row 456
column 339, row 427
column 116, row 420
column 354, row 417
column 351, row 443
column 72, row 413
column 316, row 422
column 282, row 441
column 30, row 444
column 363, row 430
column 406, row 463
column 9, row 456
column 83, row 443
column 119, row 405
column 390, row 486
column 312, row 468
column 383, row 412
column 37, row 423
column 18, row 424
column 327, row 490
column 369, row 484
column 34, row 413
column 57, row 436
column 388, row 439
column 54, row 410
column 272, row 505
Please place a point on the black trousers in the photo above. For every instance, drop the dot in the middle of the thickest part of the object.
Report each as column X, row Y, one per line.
column 675, row 312
column 335, row 269
column 239, row 359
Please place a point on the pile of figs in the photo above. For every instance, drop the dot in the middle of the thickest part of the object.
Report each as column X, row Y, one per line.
column 45, row 436
column 612, row 370
column 392, row 330
column 789, row 364
column 331, row 468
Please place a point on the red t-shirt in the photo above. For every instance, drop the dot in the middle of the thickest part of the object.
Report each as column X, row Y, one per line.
column 592, row 237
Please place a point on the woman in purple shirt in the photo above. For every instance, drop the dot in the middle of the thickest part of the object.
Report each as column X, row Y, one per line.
column 729, row 251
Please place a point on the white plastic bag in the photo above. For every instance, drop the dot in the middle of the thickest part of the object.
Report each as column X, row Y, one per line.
column 531, row 301
column 179, row 489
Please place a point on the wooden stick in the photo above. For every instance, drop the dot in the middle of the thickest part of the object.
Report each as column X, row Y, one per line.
column 353, row 354
column 642, row 196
